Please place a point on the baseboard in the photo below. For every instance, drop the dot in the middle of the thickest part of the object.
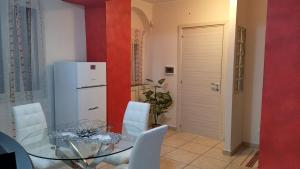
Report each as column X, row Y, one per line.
column 231, row 153
column 172, row 128
column 169, row 127
column 239, row 147
column 251, row 145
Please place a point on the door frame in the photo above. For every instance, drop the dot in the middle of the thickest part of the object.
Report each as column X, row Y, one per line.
column 179, row 73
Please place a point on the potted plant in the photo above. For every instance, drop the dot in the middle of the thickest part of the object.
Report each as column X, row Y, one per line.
column 159, row 99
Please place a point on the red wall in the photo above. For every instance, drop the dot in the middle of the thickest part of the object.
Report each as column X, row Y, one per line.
column 280, row 140
column 118, row 25
column 108, row 39
column 95, row 23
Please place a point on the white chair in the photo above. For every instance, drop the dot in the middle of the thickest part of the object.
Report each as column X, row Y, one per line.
column 146, row 151
column 136, row 118
column 134, row 123
column 30, row 118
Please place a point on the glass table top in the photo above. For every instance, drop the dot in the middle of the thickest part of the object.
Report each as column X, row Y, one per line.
column 77, row 141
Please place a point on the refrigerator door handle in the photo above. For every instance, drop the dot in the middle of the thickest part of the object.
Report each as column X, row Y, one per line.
column 85, row 87
column 93, row 108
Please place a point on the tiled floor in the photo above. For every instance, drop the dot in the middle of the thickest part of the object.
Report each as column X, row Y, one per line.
column 189, row 151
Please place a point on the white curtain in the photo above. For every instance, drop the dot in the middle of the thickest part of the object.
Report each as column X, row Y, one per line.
column 22, row 58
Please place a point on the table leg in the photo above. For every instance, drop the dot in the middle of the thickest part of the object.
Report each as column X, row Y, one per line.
column 76, row 164
column 97, row 161
column 83, row 164
column 77, row 152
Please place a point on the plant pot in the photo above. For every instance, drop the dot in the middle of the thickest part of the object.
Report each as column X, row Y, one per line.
column 151, row 123
column 155, row 125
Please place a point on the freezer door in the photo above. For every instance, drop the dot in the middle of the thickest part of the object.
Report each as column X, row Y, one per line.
column 91, row 74
column 92, row 103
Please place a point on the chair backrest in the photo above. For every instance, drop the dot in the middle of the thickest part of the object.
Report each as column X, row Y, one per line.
column 136, row 118
column 28, row 118
column 146, row 151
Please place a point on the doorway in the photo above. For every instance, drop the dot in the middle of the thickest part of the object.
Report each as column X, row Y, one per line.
column 201, row 51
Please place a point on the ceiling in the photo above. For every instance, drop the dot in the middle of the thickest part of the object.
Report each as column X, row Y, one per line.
column 157, row 1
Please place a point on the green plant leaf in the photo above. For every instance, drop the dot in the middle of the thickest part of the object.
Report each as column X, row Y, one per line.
column 149, row 80
column 159, row 100
column 161, row 81
column 159, row 94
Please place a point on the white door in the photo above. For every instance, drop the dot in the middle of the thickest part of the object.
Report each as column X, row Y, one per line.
column 201, row 70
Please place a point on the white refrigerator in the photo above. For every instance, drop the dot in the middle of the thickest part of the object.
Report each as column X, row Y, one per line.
column 80, row 92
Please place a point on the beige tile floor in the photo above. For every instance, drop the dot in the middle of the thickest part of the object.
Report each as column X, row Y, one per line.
column 188, row 151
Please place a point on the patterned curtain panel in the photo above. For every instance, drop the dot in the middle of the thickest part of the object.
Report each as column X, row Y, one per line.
column 24, row 78
column 137, row 56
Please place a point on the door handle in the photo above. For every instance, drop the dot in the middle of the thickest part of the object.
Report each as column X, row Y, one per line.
column 215, row 84
column 93, row 108
column 215, row 87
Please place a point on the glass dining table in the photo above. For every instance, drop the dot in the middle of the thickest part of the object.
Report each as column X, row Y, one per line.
column 82, row 144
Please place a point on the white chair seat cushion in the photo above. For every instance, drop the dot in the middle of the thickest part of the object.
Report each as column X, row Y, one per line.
column 123, row 166
column 45, row 163
column 119, row 158
column 41, row 163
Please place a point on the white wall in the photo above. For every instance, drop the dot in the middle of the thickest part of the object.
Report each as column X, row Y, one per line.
column 136, row 21
column 146, row 7
column 232, row 133
column 246, row 106
column 252, row 15
column 65, row 39
column 167, row 16
column 242, row 120
column 237, row 98
column 255, row 49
